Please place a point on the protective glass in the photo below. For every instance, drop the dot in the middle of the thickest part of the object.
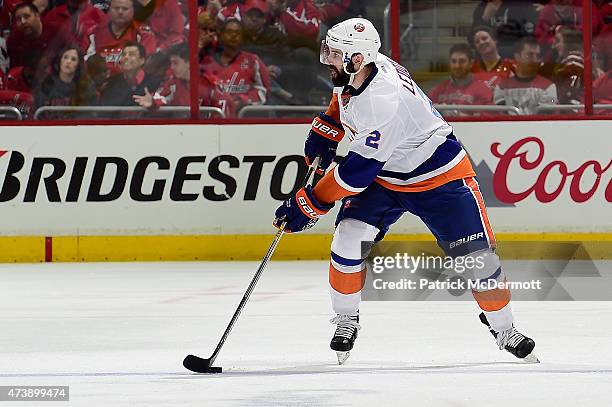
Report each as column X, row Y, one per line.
column 329, row 56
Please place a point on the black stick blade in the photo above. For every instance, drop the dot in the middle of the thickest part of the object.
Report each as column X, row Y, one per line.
column 199, row 365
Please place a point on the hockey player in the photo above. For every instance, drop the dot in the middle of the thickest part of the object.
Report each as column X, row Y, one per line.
column 403, row 157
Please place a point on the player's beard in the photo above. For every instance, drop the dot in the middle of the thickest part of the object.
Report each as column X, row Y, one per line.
column 338, row 78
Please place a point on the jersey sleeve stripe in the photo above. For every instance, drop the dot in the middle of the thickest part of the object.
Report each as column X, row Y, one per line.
column 333, row 110
column 344, row 185
column 404, row 179
column 357, row 172
column 328, row 189
column 461, row 170
column 450, row 151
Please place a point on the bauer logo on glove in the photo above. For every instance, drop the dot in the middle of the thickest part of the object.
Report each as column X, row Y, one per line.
column 300, row 212
column 319, row 126
column 307, row 209
column 322, row 141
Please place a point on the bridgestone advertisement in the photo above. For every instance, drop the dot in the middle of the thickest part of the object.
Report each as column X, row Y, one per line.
column 195, row 179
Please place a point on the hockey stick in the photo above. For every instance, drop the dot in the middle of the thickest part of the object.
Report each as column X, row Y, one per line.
column 201, row 365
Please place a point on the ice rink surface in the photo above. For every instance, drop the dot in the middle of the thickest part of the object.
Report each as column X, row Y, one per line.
column 117, row 335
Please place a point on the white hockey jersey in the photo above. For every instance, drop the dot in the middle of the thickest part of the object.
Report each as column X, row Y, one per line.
column 397, row 138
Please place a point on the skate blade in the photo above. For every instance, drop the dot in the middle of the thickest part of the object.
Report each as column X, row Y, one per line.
column 342, row 357
column 531, row 358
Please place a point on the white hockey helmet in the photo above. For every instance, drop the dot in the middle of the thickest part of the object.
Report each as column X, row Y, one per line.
column 352, row 36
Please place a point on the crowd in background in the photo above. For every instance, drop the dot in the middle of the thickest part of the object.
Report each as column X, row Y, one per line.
column 527, row 54
column 136, row 53
column 255, row 52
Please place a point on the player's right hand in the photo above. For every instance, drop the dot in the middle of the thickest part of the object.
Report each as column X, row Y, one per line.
column 322, row 141
column 300, row 212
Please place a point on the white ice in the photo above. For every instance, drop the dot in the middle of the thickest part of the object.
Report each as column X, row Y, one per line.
column 117, row 335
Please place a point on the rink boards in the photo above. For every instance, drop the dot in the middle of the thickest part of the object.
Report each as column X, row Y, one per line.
column 208, row 192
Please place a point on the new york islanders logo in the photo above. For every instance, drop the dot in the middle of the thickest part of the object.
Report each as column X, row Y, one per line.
column 345, row 100
column 359, row 27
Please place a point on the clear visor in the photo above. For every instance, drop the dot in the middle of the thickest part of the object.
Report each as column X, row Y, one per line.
column 329, row 56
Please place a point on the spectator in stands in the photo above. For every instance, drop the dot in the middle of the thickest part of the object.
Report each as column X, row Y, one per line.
column 561, row 13
column 604, row 9
column 461, row 88
column 334, row 11
column 510, row 19
column 568, row 74
column 98, row 72
column 300, row 21
column 232, row 9
column 165, row 19
column 526, row 90
column 156, row 68
column 30, row 37
column 207, row 34
column 602, row 92
column 108, row 40
column 130, row 81
column 265, row 40
column 603, row 50
column 603, row 41
column 70, row 22
column 24, row 78
column 67, row 84
column 241, row 77
column 259, row 36
column 490, row 67
column 269, row 42
column 7, row 10
column 175, row 91
column 42, row 6
column 212, row 7
column 23, row 101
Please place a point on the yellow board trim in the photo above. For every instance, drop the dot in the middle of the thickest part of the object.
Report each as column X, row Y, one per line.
column 22, row 249
column 31, row 249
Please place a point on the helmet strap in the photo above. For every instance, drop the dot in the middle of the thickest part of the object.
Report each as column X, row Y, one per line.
column 349, row 68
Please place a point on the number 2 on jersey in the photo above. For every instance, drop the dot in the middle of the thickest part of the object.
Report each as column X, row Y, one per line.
column 373, row 139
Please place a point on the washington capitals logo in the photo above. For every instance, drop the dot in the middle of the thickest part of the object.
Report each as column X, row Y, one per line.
column 359, row 27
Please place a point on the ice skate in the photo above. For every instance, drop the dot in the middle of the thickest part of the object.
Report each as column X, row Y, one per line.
column 513, row 341
column 345, row 335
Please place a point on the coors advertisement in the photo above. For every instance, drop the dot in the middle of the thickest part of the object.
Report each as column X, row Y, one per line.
column 582, row 181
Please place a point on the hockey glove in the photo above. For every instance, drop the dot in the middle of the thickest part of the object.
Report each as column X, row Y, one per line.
column 300, row 212
column 322, row 141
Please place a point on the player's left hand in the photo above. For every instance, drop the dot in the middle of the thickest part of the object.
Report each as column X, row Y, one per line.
column 322, row 141
column 300, row 212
